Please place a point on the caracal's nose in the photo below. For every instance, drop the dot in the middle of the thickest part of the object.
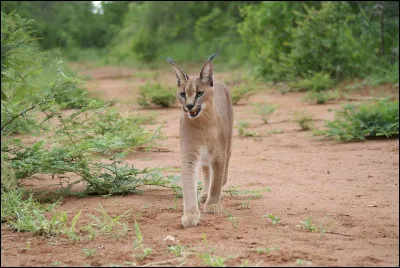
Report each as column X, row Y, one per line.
column 190, row 106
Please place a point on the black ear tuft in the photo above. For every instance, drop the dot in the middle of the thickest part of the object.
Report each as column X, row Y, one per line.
column 212, row 57
column 180, row 75
column 206, row 74
column 170, row 60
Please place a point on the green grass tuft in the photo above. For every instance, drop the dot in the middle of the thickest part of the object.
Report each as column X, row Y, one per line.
column 244, row 132
column 304, row 120
column 264, row 110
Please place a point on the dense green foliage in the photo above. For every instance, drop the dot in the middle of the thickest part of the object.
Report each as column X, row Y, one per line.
column 281, row 40
column 70, row 24
column 343, row 39
column 188, row 31
column 369, row 120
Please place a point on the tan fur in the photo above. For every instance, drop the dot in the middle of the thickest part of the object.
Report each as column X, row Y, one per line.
column 205, row 141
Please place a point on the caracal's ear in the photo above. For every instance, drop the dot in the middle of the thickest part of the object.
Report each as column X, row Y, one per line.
column 206, row 74
column 180, row 75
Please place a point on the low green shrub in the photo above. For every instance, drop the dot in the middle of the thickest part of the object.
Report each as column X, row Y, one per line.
column 156, row 94
column 322, row 97
column 119, row 178
column 368, row 120
column 317, row 82
column 317, row 86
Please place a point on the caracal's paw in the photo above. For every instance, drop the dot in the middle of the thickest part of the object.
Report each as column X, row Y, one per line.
column 203, row 197
column 190, row 219
column 212, row 208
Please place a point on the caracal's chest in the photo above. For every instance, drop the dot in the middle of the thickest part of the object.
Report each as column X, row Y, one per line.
column 205, row 156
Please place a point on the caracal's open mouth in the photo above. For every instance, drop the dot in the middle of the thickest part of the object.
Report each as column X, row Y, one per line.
column 194, row 113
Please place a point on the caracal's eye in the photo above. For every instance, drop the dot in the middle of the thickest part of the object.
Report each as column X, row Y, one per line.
column 199, row 94
column 183, row 94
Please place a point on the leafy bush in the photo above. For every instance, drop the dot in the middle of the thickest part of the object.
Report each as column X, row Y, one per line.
column 16, row 60
column 375, row 119
column 27, row 73
column 109, row 132
column 264, row 110
column 116, row 178
column 266, row 28
column 156, row 94
column 324, row 40
column 80, row 142
column 88, row 141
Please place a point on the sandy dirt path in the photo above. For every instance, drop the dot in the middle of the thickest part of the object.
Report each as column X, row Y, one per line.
column 349, row 190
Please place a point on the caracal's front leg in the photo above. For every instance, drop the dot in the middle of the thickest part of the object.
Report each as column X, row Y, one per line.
column 217, row 179
column 206, row 186
column 191, row 213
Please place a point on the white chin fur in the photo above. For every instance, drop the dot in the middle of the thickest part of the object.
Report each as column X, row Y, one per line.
column 193, row 117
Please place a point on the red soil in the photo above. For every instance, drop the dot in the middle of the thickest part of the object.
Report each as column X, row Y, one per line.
column 349, row 189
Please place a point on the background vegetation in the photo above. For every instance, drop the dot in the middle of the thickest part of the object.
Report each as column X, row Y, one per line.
column 279, row 40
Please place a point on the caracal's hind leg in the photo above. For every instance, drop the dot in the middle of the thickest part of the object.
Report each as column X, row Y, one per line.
column 226, row 167
column 206, row 184
column 212, row 204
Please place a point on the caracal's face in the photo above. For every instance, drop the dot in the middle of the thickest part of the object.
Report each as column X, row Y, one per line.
column 195, row 97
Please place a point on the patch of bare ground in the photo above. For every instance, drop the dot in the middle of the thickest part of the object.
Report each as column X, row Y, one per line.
column 350, row 191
